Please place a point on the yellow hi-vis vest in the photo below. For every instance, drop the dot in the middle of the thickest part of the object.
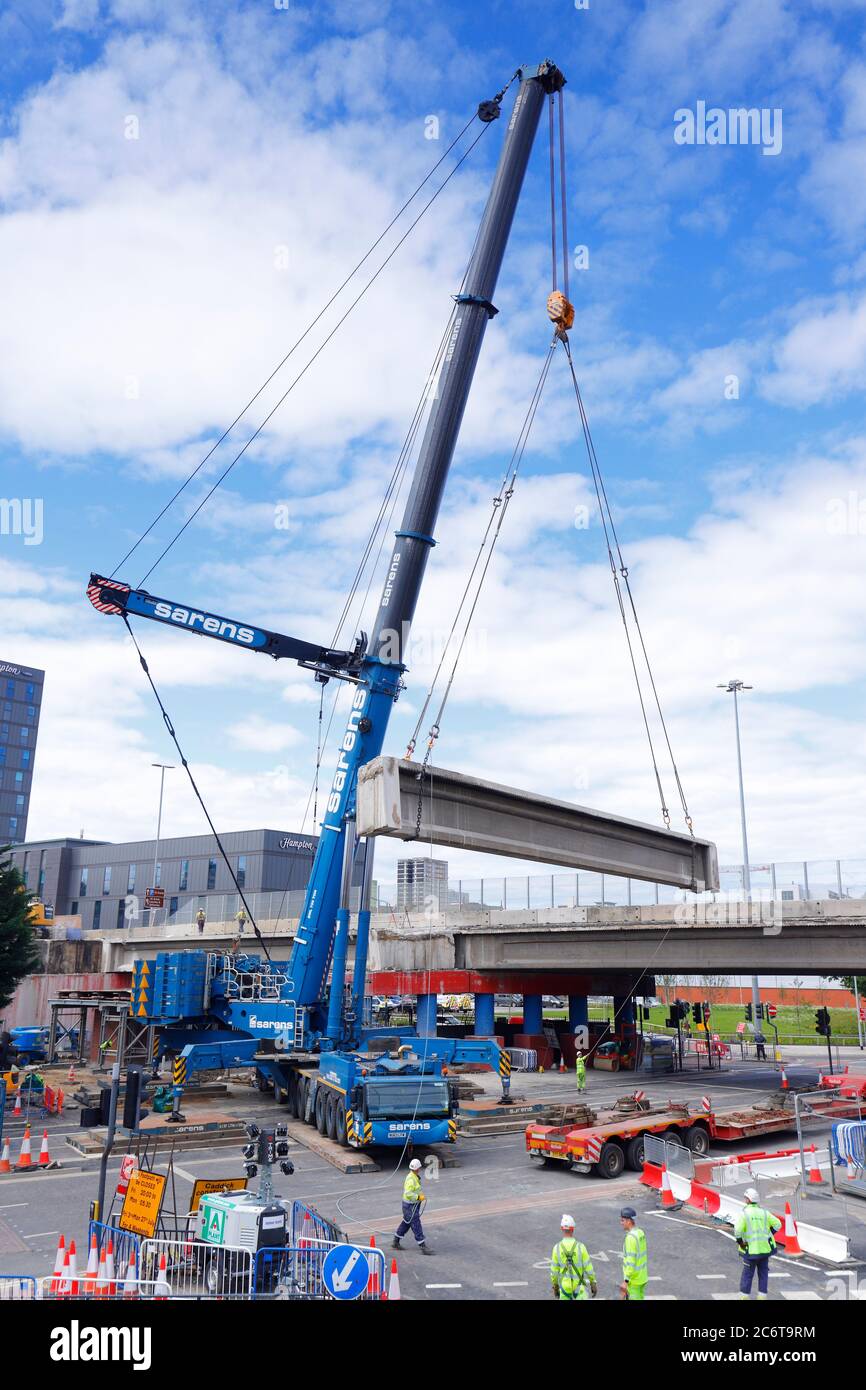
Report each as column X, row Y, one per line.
column 634, row 1262
column 412, row 1189
column 571, row 1268
column 755, row 1227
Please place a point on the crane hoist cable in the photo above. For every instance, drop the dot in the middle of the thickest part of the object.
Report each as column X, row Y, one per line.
column 494, row 525
column 620, row 575
column 168, row 724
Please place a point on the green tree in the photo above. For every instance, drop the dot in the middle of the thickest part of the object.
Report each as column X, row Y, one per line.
column 848, row 982
column 18, row 954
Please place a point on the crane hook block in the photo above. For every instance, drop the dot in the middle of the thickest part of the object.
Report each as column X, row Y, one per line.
column 560, row 311
column 488, row 111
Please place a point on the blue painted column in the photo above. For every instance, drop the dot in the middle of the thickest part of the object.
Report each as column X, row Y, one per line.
column 485, row 1017
column 578, row 1010
column 532, row 1013
column 427, row 1015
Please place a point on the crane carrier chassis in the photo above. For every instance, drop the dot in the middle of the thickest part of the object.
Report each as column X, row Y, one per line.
column 613, row 1140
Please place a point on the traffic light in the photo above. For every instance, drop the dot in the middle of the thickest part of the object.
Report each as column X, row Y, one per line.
column 822, row 1022
column 748, row 1013
column 697, row 1013
column 760, row 1012
column 132, row 1098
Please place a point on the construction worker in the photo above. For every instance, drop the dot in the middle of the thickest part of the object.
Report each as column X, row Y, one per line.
column 754, row 1232
column 200, row 920
column 580, row 1070
column 571, row 1271
column 413, row 1199
column 634, row 1261
column 241, row 919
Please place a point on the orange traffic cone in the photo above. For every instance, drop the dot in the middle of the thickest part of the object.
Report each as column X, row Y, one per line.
column 60, row 1099
column 815, row 1169
column 162, row 1289
column 130, row 1283
column 394, row 1282
column 70, row 1076
column 101, row 1288
column 17, row 1108
column 58, row 1265
column 308, row 1232
column 44, row 1158
column 562, row 1064
column 792, row 1243
column 92, row 1261
column 109, row 1269
column 5, row 1165
column 668, row 1198
column 64, row 1279
column 785, row 1086
column 373, row 1290
column 24, row 1159
column 74, row 1287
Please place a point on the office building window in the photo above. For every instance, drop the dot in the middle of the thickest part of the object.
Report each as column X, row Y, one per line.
column 29, row 690
column 19, row 803
column 24, row 733
column 25, row 757
column 211, row 873
column 31, row 714
column 74, row 908
column 97, row 914
column 19, row 779
column 121, row 913
column 242, row 870
column 82, row 887
column 7, row 710
column 41, row 888
column 172, row 906
column 2, row 754
column 25, row 871
column 106, row 880
column 10, row 690
column 184, row 875
column 4, row 732
column 13, row 825
column 130, row 879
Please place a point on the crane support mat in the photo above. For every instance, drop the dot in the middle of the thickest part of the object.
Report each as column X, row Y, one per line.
column 467, row 813
column 347, row 1160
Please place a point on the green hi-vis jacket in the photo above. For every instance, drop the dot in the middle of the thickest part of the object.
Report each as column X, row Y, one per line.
column 571, row 1268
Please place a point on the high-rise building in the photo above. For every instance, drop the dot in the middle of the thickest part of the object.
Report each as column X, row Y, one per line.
column 20, row 706
column 422, row 882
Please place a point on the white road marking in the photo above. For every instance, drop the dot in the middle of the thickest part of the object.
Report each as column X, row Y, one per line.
column 443, row 1286
column 774, row 1275
column 34, row 1235
column 9, row 1205
column 801, row 1295
column 657, row 1297
column 512, row 1284
column 181, row 1172
column 711, row 1276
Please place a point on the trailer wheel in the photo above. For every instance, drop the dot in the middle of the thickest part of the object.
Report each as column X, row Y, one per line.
column 302, row 1091
column 321, row 1100
column 264, row 1082
column 331, row 1116
column 340, row 1123
column 698, row 1140
column 611, row 1163
column 634, row 1153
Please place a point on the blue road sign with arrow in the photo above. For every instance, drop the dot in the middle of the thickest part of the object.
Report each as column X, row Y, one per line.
column 345, row 1271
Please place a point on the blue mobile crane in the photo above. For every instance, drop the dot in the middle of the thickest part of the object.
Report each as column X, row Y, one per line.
column 359, row 1084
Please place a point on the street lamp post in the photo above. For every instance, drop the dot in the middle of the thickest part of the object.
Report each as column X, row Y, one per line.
column 163, row 769
column 733, row 687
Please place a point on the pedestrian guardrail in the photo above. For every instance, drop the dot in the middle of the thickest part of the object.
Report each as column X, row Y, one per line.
column 18, row 1288
column 523, row 1058
column 125, row 1246
column 296, row 1273
column 308, row 1224
column 665, row 1154
column 197, row 1269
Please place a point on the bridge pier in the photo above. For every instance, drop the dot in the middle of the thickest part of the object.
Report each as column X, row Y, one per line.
column 426, row 1015
column 485, row 1015
column 578, row 1010
column 533, row 1021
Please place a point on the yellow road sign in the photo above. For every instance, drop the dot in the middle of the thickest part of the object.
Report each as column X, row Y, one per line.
column 142, row 1202
column 204, row 1186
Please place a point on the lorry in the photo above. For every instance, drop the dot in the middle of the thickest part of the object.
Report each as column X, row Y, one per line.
column 313, row 1043
column 613, row 1140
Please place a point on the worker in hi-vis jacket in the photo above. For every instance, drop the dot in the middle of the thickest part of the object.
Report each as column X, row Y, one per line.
column 413, row 1200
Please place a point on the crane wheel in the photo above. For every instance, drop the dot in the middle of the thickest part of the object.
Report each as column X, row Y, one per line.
column 340, row 1123
column 612, row 1161
column 331, row 1116
column 319, row 1110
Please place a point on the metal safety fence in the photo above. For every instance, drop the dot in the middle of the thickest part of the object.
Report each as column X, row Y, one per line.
column 297, row 1273
column 18, row 1288
column 666, row 1154
column 197, row 1269
column 308, row 1224
column 125, row 1246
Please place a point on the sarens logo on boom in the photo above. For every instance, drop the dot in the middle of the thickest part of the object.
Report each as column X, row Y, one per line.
column 350, row 738
column 217, row 627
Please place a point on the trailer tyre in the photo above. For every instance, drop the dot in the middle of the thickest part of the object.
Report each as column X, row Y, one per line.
column 634, row 1153
column 264, row 1082
column 340, row 1123
column 612, row 1161
column 698, row 1140
column 320, row 1111
column 331, row 1116
column 301, row 1093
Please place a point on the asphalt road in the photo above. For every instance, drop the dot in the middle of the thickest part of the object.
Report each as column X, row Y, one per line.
column 492, row 1220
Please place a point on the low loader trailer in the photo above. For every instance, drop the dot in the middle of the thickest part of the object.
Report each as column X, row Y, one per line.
column 614, row 1139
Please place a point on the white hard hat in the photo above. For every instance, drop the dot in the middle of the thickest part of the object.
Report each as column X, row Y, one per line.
column 567, row 1223
column 415, row 1165
column 751, row 1194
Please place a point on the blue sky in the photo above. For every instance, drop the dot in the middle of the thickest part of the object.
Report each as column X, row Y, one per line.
column 151, row 283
